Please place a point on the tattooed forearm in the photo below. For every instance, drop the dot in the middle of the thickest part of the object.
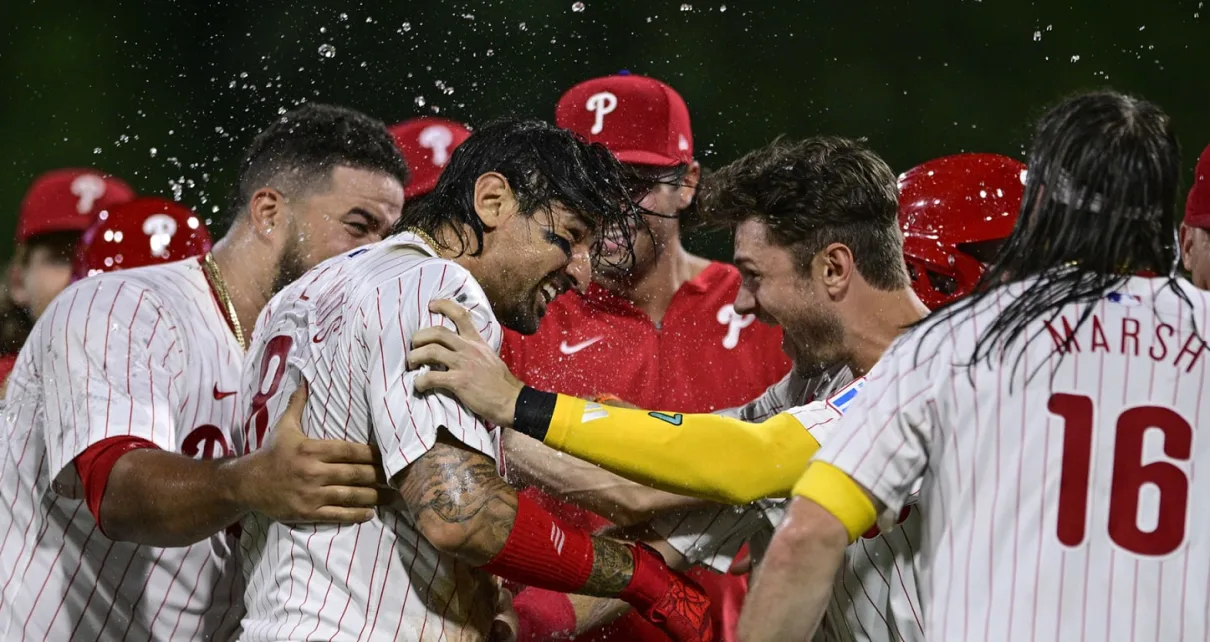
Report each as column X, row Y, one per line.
column 612, row 567
column 459, row 502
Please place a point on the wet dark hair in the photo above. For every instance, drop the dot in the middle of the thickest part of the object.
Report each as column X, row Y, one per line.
column 812, row 193
column 543, row 165
column 1099, row 206
column 300, row 149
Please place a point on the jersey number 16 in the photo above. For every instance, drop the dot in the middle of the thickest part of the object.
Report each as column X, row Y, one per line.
column 1129, row 475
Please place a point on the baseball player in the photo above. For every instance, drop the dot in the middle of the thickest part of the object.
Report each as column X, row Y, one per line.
column 947, row 208
column 1195, row 229
column 118, row 479
column 57, row 208
column 507, row 228
column 658, row 327
column 146, row 231
column 426, row 142
column 1019, row 415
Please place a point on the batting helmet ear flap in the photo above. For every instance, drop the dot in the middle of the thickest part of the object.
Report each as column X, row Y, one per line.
column 952, row 210
column 145, row 231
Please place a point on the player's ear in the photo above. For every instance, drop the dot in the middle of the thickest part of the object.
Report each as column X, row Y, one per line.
column 689, row 186
column 267, row 212
column 494, row 200
column 1186, row 246
column 836, row 268
column 16, row 279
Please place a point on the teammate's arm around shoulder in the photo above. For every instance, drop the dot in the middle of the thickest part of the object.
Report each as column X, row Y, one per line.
column 703, row 455
column 114, row 423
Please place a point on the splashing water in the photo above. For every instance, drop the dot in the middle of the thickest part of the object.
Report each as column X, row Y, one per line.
column 686, row 7
column 327, row 51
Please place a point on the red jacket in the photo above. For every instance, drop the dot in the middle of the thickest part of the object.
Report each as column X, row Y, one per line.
column 703, row 357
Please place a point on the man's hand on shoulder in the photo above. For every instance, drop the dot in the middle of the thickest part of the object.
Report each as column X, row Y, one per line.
column 297, row 479
column 471, row 369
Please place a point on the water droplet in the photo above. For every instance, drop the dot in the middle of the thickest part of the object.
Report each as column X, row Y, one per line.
column 722, row 8
column 420, row 101
column 686, row 7
column 96, row 150
column 327, row 51
column 577, row 7
column 323, row 30
column 523, row 27
column 154, row 151
column 369, row 20
column 1142, row 27
column 489, row 53
column 407, row 26
column 1075, row 58
column 342, row 17
column 1037, row 36
column 1050, row 27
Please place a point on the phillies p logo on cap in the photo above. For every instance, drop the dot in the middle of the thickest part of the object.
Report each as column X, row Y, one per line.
column 601, row 104
column 641, row 120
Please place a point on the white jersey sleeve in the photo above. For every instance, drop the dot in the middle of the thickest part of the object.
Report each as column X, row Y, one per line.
column 111, row 366
column 406, row 422
column 885, row 437
column 713, row 536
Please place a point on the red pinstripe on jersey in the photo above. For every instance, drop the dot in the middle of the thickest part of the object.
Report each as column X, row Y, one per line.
column 134, row 353
column 1088, row 536
column 348, row 337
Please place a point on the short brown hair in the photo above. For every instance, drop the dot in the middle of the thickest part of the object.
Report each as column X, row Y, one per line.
column 812, row 193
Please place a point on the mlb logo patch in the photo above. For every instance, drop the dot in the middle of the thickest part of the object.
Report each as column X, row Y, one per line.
column 841, row 400
column 1124, row 299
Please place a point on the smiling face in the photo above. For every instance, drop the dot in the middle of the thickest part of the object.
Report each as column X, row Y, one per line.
column 530, row 260
column 780, row 292
column 355, row 208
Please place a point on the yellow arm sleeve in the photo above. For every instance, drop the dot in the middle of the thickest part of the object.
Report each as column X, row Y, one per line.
column 838, row 494
column 701, row 455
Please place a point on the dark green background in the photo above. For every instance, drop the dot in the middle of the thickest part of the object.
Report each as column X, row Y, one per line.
column 195, row 79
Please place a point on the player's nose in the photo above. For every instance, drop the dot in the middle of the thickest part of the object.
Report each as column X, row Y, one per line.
column 745, row 302
column 579, row 268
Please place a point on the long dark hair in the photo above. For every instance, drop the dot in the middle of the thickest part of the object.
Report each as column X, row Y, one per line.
column 1099, row 206
column 544, row 166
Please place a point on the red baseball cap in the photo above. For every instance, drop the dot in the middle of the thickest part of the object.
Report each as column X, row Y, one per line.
column 426, row 144
column 145, row 231
column 67, row 200
column 641, row 120
column 1197, row 208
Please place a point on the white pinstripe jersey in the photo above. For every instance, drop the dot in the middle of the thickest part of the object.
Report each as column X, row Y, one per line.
column 875, row 598
column 1058, row 507
column 346, row 327
column 146, row 353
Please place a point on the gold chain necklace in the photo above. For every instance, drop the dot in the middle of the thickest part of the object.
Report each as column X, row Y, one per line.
column 423, row 237
column 210, row 268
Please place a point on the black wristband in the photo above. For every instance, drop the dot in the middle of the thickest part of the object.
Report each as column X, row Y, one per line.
column 534, row 412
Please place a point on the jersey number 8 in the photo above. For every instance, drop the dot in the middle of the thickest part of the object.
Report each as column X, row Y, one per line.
column 276, row 352
column 1129, row 475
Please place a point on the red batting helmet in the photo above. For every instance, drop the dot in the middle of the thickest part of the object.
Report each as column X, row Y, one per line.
column 955, row 212
column 426, row 144
column 145, row 231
